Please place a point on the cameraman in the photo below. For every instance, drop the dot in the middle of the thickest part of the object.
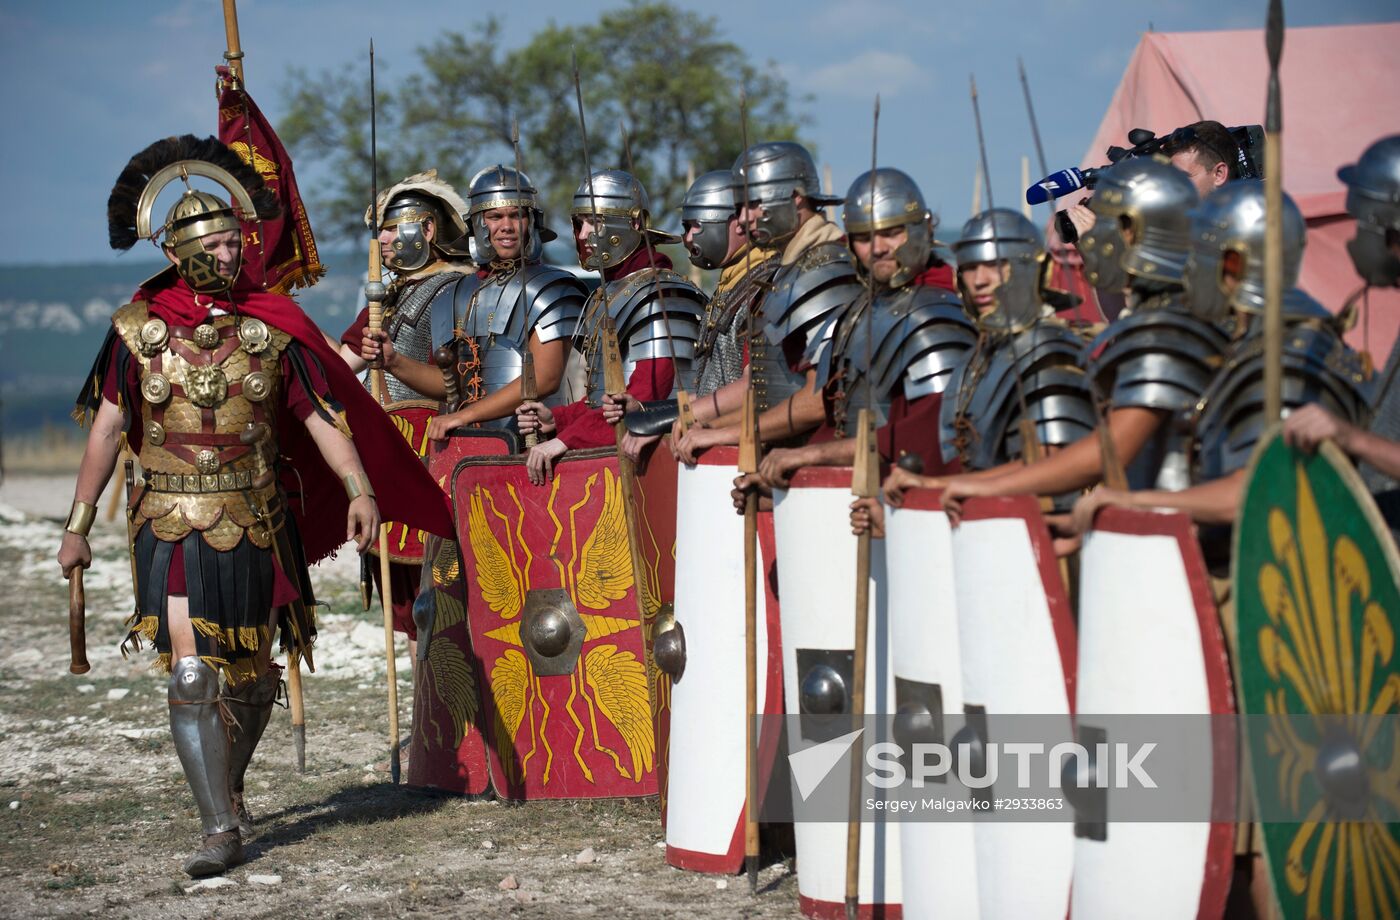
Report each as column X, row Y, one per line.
column 1205, row 151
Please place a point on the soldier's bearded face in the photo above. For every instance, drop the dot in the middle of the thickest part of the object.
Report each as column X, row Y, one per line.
column 227, row 248
column 506, row 229
column 981, row 280
column 878, row 256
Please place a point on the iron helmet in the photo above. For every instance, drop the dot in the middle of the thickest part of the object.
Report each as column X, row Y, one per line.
column 623, row 217
column 768, row 174
column 408, row 205
column 1373, row 198
column 1152, row 197
column 709, row 203
column 1231, row 219
column 888, row 198
column 502, row 187
column 997, row 236
column 196, row 214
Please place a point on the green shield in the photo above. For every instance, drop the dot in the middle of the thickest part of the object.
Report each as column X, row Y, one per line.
column 1315, row 581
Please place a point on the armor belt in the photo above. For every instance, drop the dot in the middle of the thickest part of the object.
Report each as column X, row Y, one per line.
column 234, row 481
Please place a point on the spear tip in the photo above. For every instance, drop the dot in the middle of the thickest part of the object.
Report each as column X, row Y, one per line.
column 514, row 131
column 1273, row 33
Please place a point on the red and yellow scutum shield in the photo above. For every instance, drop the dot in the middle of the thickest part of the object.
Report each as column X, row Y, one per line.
column 576, row 707
column 411, row 418
column 448, row 745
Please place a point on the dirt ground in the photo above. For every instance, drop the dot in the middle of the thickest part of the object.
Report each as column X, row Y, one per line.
column 95, row 817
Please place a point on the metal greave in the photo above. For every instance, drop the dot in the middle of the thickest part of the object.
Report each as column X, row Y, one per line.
column 252, row 707
column 201, row 741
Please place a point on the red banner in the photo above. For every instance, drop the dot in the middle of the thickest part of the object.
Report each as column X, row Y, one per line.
column 284, row 249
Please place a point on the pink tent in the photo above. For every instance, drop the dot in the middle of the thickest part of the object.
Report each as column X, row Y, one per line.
column 1339, row 95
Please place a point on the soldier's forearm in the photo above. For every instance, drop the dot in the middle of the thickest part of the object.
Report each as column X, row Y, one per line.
column 840, row 452
column 1214, row 502
column 337, row 450
column 1381, row 453
column 350, row 356
column 799, row 413
column 100, row 454
column 495, row 405
column 425, row 378
column 718, row 406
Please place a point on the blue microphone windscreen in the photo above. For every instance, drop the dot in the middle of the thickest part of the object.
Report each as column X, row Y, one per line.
column 1055, row 185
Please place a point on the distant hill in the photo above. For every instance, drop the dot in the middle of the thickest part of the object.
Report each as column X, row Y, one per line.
column 53, row 319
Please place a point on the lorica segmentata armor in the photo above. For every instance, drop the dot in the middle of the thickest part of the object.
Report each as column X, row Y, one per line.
column 657, row 313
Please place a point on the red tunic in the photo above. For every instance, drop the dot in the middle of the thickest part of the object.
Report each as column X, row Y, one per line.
column 581, row 426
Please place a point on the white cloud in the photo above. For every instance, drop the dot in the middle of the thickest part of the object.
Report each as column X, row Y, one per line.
column 885, row 72
column 59, row 317
column 98, row 310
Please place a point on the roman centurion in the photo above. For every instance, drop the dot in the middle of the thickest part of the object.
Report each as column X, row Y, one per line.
column 239, row 412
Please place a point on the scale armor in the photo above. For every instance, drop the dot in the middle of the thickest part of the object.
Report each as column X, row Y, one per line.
column 198, row 473
column 719, row 355
column 408, row 321
column 1318, row 367
column 981, row 425
column 920, row 335
column 488, row 312
column 657, row 313
column 1160, row 356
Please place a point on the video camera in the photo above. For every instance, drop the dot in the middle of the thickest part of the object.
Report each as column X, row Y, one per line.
column 1248, row 157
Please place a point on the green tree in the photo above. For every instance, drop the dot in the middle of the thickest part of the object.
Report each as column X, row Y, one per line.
column 666, row 74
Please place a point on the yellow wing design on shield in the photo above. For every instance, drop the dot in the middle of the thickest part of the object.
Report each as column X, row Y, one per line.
column 447, row 568
column 605, row 564
column 510, row 682
column 454, row 684
column 494, row 572
column 619, row 682
column 449, row 609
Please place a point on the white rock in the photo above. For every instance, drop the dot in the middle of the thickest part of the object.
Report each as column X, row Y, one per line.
column 508, row 883
column 487, row 845
column 86, row 688
column 660, row 844
column 345, row 887
column 14, row 806
column 117, row 693
column 586, row 857
column 139, row 734
column 265, row 879
column 721, row 883
column 206, row 884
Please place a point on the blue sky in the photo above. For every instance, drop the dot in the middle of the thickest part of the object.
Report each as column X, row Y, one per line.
column 89, row 83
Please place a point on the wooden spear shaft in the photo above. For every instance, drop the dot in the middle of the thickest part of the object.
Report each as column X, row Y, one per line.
column 748, row 463
column 376, row 382
column 234, row 54
column 865, row 483
column 615, row 384
column 297, row 703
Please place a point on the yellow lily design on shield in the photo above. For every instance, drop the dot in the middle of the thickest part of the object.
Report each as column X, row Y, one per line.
column 1310, row 590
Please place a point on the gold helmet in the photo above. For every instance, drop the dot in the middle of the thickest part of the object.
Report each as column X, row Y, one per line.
column 196, row 214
